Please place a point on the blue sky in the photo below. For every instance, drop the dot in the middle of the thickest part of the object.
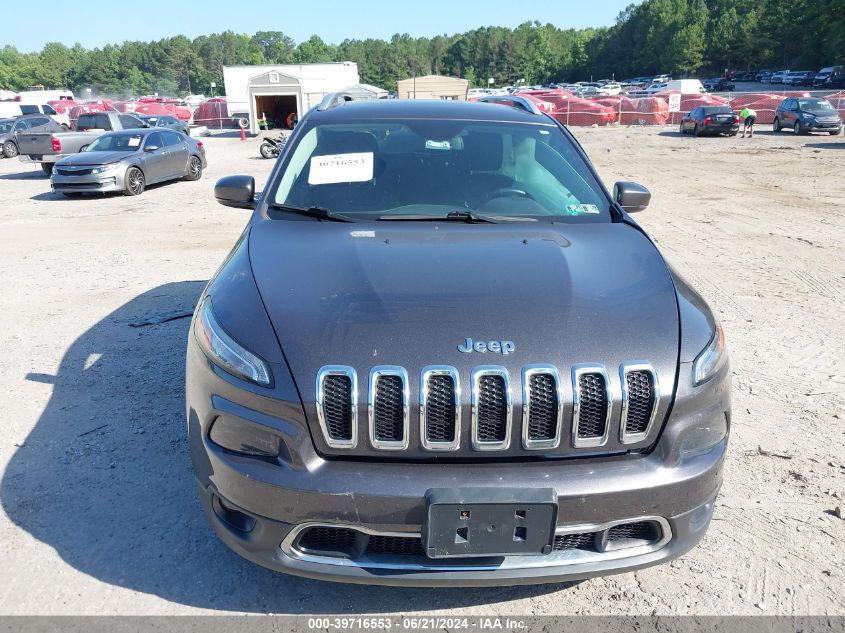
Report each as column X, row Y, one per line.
column 333, row 20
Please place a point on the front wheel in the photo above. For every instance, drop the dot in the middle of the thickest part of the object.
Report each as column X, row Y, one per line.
column 776, row 126
column 135, row 182
column 194, row 169
column 798, row 129
column 266, row 150
column 10, row 150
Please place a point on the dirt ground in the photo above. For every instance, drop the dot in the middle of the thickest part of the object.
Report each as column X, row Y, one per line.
column 99, row 514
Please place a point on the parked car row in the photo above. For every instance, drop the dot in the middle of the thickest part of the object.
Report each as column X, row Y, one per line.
column 829, row 77
column 803, row 115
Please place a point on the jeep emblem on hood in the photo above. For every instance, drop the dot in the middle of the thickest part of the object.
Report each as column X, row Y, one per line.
column 498, row 347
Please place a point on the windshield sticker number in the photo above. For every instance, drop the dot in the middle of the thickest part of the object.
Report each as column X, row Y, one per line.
column 582, row 209
column 337, row 168
column 135, row 141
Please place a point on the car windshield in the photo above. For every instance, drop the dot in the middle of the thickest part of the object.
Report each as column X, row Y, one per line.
column 429, row 168
column 116, row 143
column 815, row 105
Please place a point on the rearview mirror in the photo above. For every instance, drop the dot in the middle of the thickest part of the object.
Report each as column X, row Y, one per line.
column 236, row 191
column 631, row 196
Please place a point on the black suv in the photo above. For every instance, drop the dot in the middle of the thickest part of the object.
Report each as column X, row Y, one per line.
column 443, row 353
column 807, row 114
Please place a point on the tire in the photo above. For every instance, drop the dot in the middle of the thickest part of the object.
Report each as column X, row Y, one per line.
column 47, row 168
column 134, row 182
column 681, row 129
column 266, row 150
column 776, row 126
column 797, row 129
column 733, row 133
column 695, row 131
column 194, row 168
column 10, row 150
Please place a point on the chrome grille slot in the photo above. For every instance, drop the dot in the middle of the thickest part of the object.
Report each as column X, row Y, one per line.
column 388, row 407
column 640, row 396
column 542, row 407
column 491, row 409
column 337, row 405
column 440, row 413
column 591, row 406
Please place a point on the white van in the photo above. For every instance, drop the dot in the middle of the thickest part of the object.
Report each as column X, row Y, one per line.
column 11, row 109
column 685, row 86
column 43, row 96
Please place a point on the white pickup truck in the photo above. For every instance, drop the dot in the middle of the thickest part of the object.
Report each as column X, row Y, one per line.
column 47, row 148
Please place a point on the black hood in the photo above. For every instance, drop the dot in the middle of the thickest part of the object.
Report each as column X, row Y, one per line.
column 408, row 294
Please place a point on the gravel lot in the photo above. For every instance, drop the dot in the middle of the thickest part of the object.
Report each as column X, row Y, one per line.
column 99, row 513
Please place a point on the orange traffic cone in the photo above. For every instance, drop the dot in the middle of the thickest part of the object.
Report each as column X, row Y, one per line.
column 243, row 134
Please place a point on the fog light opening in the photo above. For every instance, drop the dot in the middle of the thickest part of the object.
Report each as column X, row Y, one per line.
column 231, row 516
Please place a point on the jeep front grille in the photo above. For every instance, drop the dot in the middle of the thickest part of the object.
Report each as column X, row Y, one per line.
column 337, row 405
column 591, row 404
column 543, row 409
column 491, row 409
column 440, row 413
column 388, row 407
column 640, row 393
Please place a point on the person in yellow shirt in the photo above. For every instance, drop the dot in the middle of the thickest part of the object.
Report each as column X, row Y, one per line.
column 749, row 117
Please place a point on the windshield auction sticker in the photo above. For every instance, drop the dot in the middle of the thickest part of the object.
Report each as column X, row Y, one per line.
column 337, row 168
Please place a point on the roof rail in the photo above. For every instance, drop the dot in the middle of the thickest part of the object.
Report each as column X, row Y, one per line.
column 334, row 99
column 514, row 101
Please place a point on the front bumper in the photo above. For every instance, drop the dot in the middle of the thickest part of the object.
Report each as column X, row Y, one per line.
column 91, row 183
column 254, row 504
column 824, row 126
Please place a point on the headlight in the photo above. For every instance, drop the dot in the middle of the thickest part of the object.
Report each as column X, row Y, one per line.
column 225, row 352
column 712, row 358
column 104, row 168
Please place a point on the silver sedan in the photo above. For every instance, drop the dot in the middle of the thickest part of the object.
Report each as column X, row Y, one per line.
column 128, row 161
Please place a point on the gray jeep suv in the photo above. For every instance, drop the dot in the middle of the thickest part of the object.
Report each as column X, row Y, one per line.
column 442, row 353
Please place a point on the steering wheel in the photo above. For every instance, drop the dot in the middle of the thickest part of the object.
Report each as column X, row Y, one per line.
column 504, row 192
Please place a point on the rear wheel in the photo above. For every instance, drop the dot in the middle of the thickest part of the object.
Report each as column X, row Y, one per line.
column 681, row 129
column 776, row 125
column 194, row 169
column 695, row 131
column 47, row 168
column 135, row 182
column 10, row 150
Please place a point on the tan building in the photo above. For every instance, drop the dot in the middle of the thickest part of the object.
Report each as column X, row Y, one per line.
column 433, row 87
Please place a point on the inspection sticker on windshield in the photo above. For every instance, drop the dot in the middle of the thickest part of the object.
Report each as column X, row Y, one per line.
column 336, row 168
column 134, row 141
column 582, row 209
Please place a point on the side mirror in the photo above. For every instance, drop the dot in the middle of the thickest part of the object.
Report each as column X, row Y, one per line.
column 236, row 191
column 151, row 148
column 631, row 196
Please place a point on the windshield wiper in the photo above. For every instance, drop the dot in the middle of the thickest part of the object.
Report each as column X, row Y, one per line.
column 313, row 212
column 453, row 216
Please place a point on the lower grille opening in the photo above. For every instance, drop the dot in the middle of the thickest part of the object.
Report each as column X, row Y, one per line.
column 592, row 413
column 585, row 541
column 337, row 406
column 401, row 545
column 492, row 409
column 350, row 543
column 640, row 401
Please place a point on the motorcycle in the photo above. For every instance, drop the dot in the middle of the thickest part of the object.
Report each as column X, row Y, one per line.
column 272, row 147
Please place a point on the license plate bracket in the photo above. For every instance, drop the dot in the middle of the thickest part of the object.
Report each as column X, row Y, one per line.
column 476, row 522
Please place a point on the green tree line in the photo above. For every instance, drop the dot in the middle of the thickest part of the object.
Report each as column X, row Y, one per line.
column 682, row 37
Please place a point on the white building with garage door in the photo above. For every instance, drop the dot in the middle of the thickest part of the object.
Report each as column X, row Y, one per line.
column 278, row 92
